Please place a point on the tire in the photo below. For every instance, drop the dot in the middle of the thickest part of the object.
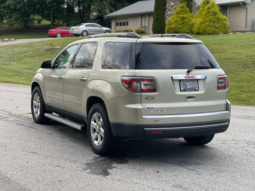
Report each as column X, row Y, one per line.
column 107, row 32
column 38, row 107
column 99, row 127
column 199, row 140
column 84, row 33
column 59, row 35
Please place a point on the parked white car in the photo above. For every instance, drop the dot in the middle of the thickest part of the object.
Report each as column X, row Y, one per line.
column 85, row 29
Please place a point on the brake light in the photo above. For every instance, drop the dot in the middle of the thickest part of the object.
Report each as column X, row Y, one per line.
column 139, row 84
column 223, row 82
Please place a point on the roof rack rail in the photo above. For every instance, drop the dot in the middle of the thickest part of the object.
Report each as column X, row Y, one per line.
column 123, row 35
column 181, row 35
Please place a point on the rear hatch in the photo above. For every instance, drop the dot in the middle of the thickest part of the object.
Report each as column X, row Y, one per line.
column 167, row 61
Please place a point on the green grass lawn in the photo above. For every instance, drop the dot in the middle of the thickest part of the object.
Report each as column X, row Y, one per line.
column 36, row 31
column 234, row 53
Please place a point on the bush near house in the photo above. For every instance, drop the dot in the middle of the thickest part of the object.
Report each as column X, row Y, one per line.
column 119, row 30
column 140, row 31
column 128, row 30
column 181, row 21
column 211, row 20
column 158, row 24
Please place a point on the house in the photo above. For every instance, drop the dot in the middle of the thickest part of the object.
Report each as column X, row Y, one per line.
column 134, row 16
column 140, row 14
column 236, row 11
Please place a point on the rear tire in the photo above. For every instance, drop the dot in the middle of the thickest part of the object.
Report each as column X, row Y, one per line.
column 99, row 131
column 202, row 140
column 38, row 107
column 59, row 35
column 84, row 33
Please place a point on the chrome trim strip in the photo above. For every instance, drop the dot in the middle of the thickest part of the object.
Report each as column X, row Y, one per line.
column 185, row 77
column 64, row 121
column 188, row 127
column 184, row 115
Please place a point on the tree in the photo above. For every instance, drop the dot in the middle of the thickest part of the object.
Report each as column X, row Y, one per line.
column 181, row 21
column 211, row 21
column 2, row 10
column 188, row 4
column 158, row 24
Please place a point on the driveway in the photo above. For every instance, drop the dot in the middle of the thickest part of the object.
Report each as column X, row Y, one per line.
column 57, row 157
column 19, row 41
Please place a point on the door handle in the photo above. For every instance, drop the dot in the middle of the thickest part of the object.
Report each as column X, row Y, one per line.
column 83, row 79
column 60, row 77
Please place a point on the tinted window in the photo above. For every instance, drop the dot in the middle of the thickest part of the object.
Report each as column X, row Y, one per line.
column 62, row 28
column 96, row 26
column 65, row 58
column 67, row 28
column 118, row 55
column 173, row 56
column 85, row 56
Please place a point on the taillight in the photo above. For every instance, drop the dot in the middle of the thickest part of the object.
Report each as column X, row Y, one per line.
column 139, row 84
column 223, row 82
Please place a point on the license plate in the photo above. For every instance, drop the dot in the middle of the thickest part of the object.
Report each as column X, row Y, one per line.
column 188, row 85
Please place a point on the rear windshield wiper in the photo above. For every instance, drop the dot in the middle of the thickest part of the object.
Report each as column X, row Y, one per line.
column 197, row 67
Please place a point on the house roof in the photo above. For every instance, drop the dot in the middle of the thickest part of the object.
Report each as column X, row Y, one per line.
column 221, row 2
column 136, row 8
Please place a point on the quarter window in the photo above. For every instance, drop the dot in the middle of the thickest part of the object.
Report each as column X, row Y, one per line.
column 85, row 56
column 65, row 58
column 118, row 55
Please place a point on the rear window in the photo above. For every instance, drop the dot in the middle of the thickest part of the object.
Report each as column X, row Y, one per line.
column 118, row 55
column 173, row 56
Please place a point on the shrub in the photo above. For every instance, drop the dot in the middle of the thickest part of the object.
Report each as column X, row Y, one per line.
column 158, row 24
column 140, row 31
column 128, row 30
column 188, row 4
column 181, row 21
column 119, row 30
column 211, row 21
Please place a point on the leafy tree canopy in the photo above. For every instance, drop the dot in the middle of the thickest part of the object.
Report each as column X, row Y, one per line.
column 158, row 24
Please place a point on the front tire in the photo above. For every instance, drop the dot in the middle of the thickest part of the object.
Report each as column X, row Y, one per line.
column 202, row 140
column 99, row 131
column 38, row 107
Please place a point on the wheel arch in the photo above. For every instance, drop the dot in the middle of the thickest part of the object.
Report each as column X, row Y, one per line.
column 93, row 100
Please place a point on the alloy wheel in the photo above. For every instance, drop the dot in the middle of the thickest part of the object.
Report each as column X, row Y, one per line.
column 96, row 129
column 36, row 105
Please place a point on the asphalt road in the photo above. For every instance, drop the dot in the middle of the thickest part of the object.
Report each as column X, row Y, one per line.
column 57, row 157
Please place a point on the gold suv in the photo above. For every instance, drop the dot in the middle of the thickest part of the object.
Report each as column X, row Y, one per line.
column 159, row 86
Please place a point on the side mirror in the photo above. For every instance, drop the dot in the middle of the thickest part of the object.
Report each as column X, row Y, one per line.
column 46, row 64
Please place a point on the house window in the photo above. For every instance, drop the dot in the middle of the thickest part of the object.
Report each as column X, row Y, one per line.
column 224, row 10
column 126, row 23
column 120, row 23
column 117, row 23
column 143, row 20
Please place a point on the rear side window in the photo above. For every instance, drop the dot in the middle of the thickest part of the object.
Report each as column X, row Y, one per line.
column 173, row 56
column 85, row 56
column 118, row 55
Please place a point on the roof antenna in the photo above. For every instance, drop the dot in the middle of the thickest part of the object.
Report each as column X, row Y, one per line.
column 164, row 31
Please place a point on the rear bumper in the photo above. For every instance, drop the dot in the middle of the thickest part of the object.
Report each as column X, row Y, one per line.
column 169, row 130
column 75, row 32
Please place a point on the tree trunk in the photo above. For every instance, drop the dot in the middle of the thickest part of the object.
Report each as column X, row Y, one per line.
column 51, row 18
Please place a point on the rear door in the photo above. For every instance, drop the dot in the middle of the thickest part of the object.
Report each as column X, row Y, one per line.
column 98, row 29
column 76, row 79
column 176, row 91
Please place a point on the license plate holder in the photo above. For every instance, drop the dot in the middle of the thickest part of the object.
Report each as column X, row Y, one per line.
column 188, row 85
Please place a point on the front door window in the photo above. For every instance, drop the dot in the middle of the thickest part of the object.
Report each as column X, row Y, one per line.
column 65, row 58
